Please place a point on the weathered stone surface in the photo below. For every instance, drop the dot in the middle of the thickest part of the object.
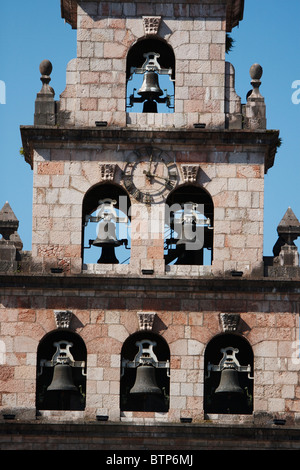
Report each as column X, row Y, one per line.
column 183, row 306
column 104, row 313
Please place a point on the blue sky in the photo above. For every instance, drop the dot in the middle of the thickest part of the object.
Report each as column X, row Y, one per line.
column 33, row 31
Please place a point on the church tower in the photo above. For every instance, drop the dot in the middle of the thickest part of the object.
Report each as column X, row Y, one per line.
column 147, row 294
column 150, row 118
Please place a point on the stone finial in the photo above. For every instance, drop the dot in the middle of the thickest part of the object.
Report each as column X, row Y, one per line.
column 289, row 227
column 151, row 24
column 8, row 221
column 45, row 70
column 256, row 72
column 63, row 318
column 229, row 321
column 11, row 243
column 288, row 231
column 189, row 173
column 146, row 320
column 44, row 103
column 255, row 108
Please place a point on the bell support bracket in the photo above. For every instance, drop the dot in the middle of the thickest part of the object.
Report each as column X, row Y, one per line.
column 229, row 361
column 145, row 355
column 62, row 355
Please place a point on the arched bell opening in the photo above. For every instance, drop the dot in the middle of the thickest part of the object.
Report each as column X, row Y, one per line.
column 145, row 373
column 228, row 380
column 61, row 372
column 189, row 226
column 106, row 225
column 150, row 76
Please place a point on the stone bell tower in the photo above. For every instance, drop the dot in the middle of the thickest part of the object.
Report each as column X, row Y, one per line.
column 146, row 298
column 150, row 117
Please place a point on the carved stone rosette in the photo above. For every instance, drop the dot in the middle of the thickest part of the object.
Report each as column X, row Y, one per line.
column 229, row 321
column 151, row 24
column 146, row 320
column 107, row 171
column 189, row 173
column 63, row 318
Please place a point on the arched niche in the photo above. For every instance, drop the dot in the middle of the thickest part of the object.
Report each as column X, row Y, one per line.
column 156, row 56
column 99, row 202
column 230, row 392
column 158, row 375
column 189, row 202
column 61, row 346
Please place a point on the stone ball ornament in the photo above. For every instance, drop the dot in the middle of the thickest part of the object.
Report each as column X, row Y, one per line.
column 45, row 67
column 256, row 72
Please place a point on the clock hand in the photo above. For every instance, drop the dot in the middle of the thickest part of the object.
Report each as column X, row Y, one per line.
column 150, row 161
column 151, row 175
column 148, row 174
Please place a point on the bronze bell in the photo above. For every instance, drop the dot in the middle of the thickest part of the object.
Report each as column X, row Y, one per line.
column 62, row 379
column 109, row 242
column 229, row 382
column 145, row 381
column 187, row 234
column 188, row 255
column 106, row 235
column 150, row 87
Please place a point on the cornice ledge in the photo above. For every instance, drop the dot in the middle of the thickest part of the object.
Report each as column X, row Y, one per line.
column 43, row 136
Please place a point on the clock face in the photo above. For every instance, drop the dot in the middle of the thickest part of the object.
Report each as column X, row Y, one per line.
column 150, row 175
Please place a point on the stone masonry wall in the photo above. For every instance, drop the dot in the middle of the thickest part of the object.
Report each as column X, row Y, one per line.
column 187, row 317
column 146, row 438
column 234, row 179
column 96, row 79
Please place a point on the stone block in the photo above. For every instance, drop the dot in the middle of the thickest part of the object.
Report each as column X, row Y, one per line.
column 8, row 254
column 213, row 25
column 70, row 196
column 218, row 37
column 178, row 38
column 89, row 77
column 265, row 348
column 187, row 51
column 114, row 51
column 50, row 168
column 237, row 184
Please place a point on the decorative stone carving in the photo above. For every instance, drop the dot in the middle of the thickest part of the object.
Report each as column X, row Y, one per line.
column 10, row 243
column 285, row 251
column 63, row 318
column 146, row 320
column 8, row 221
column 255, row 108
column 44, row 104
column 229, row 321
column 151, row 24
column 189, row 173
column 107, row 171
